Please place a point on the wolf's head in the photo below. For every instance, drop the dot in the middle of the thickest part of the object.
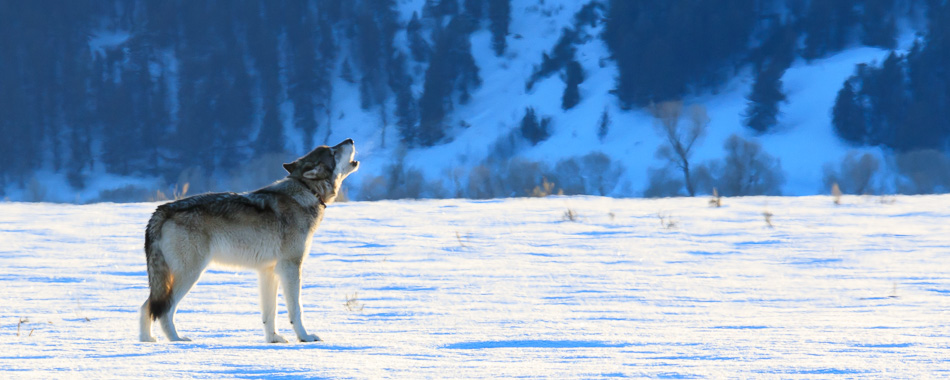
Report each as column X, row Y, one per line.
column 324, row 168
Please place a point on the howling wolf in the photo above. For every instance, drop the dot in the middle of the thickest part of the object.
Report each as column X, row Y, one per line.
column 267, row 229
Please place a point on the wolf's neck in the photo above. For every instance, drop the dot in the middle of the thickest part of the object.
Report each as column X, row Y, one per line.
column 299, row 191
column 314, row 192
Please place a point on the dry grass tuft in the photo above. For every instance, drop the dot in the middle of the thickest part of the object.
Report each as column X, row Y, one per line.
column 716, row 200
column 570, row 215
column 666, row 220
column 352, row 303
column 836, row 193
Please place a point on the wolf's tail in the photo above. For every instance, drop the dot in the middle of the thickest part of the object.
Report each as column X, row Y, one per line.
column 160, row 279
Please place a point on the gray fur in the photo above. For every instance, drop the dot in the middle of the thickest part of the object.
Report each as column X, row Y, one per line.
column 268, row 230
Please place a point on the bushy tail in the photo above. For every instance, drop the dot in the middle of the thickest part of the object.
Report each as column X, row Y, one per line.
column 160, row 278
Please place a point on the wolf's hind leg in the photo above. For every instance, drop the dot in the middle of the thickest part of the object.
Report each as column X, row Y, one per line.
column 268, row 286
column 289, row 272
column 145, row 324
column 180, row 287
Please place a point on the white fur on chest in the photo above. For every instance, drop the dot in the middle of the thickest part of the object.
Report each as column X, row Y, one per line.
column 253, row 248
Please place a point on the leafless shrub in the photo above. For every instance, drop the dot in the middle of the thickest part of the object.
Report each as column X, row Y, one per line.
column 400, row 182
column 768, row 218
column 923, row 172
column 522, row 176
column 258, row 172
column 198, row 181
column 836, row 193
column 158, row 196
column 481, row 183
column 662, row 183
column 374, row 188
column 35, row 191
column 601, row 173
column 543, row 190
column 455, row 176
column 406, row 183
column 508, row 178
column 177, row 194
column 128, row 193
column 594, row 173
column 570, row 176
column 679, row 139
column 746, row 170
column 507, row 145
column 854, row 175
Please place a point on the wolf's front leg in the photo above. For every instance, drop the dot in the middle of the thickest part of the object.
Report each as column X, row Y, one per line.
column 268, row 287
column 289, row 273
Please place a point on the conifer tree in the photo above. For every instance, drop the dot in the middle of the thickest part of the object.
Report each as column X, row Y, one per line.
column 417, row 44
column 499, row 12
column 603, row 125
column 763, row 108
column 532, row 129
column 451, row 70
column 827, row 26
column 474, row 8
column 848, row 116
column 574, row 77
column 878, row 25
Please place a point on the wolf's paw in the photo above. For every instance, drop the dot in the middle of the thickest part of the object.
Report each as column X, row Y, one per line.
column 147, row 339
column 277, row 338
column 309, row 338
column 181, row 339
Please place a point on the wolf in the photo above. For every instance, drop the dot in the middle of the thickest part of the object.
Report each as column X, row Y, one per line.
column 268, row 230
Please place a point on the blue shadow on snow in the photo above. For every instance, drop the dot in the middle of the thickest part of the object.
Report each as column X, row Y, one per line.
column 532, row 344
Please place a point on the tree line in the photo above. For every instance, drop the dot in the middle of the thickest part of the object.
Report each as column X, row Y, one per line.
column 148, row 88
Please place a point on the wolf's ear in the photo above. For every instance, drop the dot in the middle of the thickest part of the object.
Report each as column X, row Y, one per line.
column 290, row 167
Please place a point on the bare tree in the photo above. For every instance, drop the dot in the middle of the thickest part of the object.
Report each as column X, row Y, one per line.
column 748, row 170
column 679, row 138
column 855, row 175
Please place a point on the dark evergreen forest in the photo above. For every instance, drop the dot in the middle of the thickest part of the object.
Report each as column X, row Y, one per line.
column 201, row 82
column 149, row 87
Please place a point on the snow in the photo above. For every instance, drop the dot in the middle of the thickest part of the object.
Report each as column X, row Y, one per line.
column 804, row 140
column 508, row 288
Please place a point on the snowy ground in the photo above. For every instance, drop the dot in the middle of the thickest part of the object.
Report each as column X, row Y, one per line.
column 508, row 288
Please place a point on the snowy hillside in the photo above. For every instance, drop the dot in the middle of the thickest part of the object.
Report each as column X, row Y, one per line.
column 168, row 94
column 667, row 288
column 804, row 142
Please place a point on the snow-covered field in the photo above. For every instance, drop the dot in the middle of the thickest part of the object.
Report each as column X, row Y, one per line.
column 508, row 288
